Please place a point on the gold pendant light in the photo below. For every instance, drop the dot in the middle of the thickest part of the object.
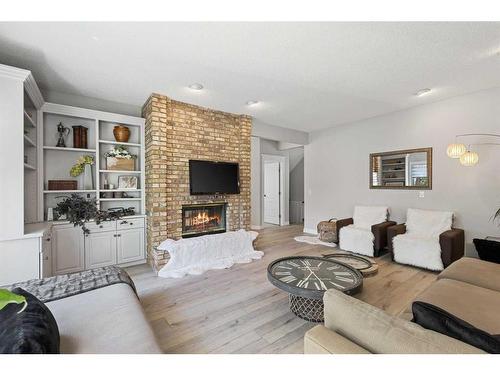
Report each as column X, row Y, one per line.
column 469, row 158
column 456, row 150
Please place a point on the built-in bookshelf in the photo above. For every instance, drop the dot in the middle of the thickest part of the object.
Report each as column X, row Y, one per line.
column 56, row 162
column 30, row 158
column 393, row 171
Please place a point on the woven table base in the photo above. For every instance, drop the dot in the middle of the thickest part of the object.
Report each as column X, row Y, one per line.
column 307, row 308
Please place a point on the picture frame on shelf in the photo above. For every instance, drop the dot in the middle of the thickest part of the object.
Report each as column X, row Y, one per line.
column 127, row 182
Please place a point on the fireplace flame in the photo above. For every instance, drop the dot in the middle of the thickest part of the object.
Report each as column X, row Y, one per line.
column 203, row 218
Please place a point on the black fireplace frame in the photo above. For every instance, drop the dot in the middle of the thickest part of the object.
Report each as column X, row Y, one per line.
column 198, row 206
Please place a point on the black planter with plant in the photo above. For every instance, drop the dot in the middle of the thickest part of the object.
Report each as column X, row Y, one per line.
column 488, row 250
column 80, row 210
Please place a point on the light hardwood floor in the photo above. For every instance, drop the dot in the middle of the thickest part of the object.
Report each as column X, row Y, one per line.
column 238, row 311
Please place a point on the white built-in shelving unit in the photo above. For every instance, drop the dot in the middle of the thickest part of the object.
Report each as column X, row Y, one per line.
column 56, row 162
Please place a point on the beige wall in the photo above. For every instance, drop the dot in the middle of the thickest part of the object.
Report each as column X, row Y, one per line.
column 337, row 169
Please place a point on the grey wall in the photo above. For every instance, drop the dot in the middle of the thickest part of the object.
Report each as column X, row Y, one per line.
column 91, row 103
column 297, row 179
column 337, row 165
column 277, row 133
column 255, row 189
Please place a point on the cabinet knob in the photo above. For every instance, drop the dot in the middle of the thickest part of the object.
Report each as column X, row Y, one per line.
column 100, row 226
column 131, row 223
column 47, row 239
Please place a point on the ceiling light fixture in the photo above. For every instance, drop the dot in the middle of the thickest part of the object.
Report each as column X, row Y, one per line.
column 196, row 86
column 96, row 38
column 422, row 92
column 252, row 102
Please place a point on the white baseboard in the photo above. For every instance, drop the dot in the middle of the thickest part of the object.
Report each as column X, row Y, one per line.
column 285, row 223
column 310, row 231
column 256, row 227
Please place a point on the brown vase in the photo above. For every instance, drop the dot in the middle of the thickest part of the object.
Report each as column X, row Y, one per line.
column 121, row 133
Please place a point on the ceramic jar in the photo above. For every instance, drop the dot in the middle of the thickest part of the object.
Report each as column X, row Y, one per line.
column 121, row 133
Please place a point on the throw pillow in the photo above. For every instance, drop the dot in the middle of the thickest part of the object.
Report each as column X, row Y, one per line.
column 439, row 320
column 32, row 331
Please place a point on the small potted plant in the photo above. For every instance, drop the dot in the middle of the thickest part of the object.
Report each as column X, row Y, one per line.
column 84, row 165
column 120, row 159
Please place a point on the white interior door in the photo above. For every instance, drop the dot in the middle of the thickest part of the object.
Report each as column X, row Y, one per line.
column 272, row 192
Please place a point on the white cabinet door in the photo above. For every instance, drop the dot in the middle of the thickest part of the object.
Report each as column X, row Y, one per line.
column 100, row 249
column 46, row 256
column 67, row 249
column 130, row 245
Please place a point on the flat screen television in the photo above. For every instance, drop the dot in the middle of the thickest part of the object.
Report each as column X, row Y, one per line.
column 212, row 177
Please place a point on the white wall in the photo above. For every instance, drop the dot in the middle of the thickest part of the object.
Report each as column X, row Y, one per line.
column 337, row 164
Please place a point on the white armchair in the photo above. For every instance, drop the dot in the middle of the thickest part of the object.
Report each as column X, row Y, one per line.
column 366, row 232
column 427, row 240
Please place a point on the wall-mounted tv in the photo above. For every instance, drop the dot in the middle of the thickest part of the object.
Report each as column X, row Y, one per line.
column 212, row 177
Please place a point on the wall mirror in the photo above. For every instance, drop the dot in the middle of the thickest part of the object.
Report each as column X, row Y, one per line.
column 404, row 169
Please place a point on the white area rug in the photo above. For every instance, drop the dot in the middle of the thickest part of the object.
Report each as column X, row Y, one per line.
column 194, row 256
column 314, row 241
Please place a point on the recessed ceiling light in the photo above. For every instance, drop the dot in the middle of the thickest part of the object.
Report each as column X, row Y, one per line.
column 96, row 38
column 422, row 92
column 252, row 102
column 196, row 86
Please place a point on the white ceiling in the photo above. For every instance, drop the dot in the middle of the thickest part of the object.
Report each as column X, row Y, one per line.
column 308, row 76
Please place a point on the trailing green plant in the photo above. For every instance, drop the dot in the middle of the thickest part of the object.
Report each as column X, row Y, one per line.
column 119, row 152
column 79, row 211
column 77, row 169
column 7, row 297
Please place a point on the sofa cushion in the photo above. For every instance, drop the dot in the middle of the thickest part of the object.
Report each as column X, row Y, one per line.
column 104, row 320
column 30, row 331
column 439, row 320
column 321, row 340
column 379, row 332
column 477, row 306
column 427, row 223
column 474, row 271
column 366, row 216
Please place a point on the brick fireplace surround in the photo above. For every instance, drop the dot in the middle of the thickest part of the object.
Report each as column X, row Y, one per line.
column 175, row 133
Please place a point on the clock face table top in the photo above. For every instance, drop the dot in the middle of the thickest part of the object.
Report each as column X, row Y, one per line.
column 310, row 277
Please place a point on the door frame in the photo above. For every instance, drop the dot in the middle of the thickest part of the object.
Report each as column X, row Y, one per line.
column 283, row 162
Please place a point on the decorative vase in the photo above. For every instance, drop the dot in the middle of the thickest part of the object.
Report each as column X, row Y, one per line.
column 88, row 178
column 121, row 133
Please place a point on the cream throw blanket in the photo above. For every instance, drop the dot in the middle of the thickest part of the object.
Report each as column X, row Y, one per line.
column 419, row 246
column 194, row 256
column 358, row 237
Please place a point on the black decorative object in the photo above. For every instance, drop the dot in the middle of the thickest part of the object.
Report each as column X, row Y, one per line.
column 63, row 132
column 488, row 250
column 32, row 331
column 439, row 320
column 306, row 279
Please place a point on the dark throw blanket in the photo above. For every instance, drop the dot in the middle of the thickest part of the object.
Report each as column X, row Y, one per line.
column 62, row 286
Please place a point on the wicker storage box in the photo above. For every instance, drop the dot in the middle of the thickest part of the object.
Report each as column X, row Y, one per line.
column 328, row 230
column 120, row 164
column 63, row 184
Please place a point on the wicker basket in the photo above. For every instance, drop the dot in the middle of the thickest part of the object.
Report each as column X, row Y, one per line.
column 328, row 230
column 120, row 164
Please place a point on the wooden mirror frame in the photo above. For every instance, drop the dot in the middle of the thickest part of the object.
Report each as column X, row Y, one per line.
column 427, row 150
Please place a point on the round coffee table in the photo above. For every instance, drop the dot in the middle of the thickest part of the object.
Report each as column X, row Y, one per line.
column 306, row 278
